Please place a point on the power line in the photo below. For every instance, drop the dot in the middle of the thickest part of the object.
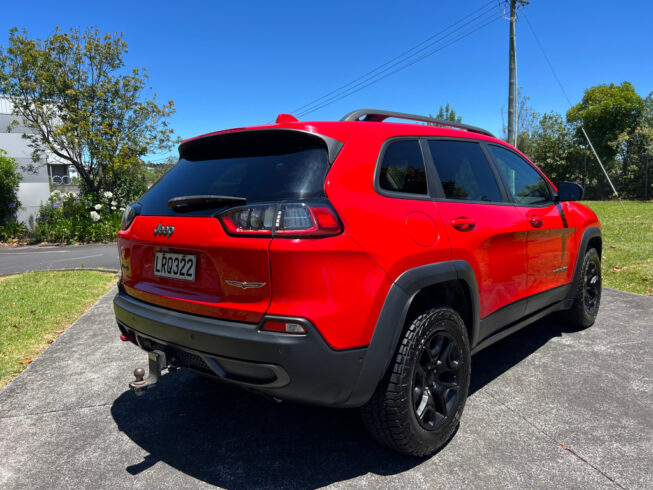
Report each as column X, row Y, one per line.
column 564, row 92
column 393, row 59
column 401, row 58
column 380, row 76
column 537, row 40
column 375, row 79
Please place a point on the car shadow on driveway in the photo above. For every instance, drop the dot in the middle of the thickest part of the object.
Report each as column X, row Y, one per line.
column 231, row 438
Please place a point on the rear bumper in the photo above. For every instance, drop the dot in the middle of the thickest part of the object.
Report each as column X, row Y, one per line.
column 295, row 367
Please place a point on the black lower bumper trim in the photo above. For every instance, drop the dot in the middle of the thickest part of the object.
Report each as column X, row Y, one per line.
column 296, row 367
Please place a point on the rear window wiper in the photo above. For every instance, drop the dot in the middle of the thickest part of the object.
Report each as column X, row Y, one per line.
column 203, row 200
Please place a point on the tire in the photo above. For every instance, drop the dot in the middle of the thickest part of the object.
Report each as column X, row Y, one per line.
column 587, row 297
column 418, row 404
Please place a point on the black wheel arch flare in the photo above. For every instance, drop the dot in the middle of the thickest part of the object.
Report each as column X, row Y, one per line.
column 389, row 326
column 395, row 309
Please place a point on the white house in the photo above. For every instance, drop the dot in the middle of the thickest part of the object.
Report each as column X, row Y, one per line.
column 35, row 186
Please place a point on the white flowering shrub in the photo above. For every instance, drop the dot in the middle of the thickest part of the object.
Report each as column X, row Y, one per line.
column 67, row 217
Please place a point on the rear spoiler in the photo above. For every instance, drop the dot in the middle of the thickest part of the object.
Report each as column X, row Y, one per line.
column 254, row 142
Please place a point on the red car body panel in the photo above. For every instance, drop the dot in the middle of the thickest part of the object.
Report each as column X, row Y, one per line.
column 340, row 283
column 331, row 282
column 219, row 257
column 550, row 248
column 383, row 226
column 495, row 248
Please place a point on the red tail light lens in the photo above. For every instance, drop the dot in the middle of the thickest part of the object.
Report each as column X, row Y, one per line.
column 288, row 219
column 131, row 211
column 284, row 327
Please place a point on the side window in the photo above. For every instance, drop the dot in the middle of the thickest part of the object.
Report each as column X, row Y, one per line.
column 524, row 182
column 464, row 171
column 402, row 169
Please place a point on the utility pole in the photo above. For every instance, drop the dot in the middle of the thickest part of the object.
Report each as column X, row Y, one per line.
column 512, row 89
column 648, row 159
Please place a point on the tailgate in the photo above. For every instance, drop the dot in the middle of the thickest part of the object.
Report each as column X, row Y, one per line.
column 219, row 258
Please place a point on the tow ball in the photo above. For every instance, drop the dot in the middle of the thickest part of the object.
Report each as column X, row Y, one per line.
column 157, row 363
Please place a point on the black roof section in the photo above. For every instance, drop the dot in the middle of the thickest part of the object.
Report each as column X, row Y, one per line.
column 376, row 115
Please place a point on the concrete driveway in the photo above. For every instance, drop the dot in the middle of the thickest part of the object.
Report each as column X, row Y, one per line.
column 548, row 408
column 14, row 260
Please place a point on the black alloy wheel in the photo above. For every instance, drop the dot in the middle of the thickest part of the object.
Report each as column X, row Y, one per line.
column 417, row 406
column 592, row 287
column 587, row 293
column 436, row 382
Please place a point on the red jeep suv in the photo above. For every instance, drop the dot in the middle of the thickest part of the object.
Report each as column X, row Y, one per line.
column 352, row 263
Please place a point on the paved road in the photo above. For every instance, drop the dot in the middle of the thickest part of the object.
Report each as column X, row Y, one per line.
column 548, row 408
column 35, row 257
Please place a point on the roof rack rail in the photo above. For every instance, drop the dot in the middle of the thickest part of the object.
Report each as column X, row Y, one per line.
column 376, row 115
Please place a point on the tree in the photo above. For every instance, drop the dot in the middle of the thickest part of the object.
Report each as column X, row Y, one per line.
column 647, row 113
column 553, row 149
column 527, row 120
column 607, row 112
column 635, row 154
column 9, row 180
column 447, row 113
column 85, row 107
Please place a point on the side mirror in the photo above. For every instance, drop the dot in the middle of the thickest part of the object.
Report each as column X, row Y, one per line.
column 569, row 191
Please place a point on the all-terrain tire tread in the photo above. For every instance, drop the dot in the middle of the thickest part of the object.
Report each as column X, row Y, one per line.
column 386, row 414
column 576, row 315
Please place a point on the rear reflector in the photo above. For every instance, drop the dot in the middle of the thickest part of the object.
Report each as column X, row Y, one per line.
column 284, row 327
column 288, row 219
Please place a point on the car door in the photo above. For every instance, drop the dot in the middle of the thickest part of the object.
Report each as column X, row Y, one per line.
column 549, row 240
column 484, row 228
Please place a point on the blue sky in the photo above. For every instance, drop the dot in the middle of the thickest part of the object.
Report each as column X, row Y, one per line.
column 228, row 64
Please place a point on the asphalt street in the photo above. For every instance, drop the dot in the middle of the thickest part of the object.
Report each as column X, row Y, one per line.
column 548, row 408
column 37, row 257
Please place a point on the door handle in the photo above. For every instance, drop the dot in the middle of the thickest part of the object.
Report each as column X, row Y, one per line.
column 535, row 221
column 463, row 223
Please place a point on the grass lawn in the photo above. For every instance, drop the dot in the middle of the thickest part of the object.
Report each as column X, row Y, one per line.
column 38, row 306
column 627, row 260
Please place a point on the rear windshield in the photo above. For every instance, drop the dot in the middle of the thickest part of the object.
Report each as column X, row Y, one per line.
column 259, row 166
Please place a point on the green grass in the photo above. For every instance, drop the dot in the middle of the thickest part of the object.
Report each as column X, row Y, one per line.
column 38, row 306
column 627, row 260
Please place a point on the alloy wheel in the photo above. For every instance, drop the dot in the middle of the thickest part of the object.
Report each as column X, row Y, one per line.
column 592, row 288
column 436, row 381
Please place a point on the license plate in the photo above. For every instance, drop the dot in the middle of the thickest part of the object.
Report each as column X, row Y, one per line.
column 175, row 266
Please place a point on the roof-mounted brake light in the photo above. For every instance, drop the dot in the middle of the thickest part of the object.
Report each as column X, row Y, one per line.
column 286, row 118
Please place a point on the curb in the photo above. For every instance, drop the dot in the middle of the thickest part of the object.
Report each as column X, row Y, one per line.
column 111, row 271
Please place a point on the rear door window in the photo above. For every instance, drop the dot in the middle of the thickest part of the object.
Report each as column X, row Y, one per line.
column 402, row 168
column 464, row 172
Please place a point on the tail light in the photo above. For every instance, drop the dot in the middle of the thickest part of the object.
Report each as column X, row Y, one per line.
column 131, row 211
column 284, row 327
column 288, row 219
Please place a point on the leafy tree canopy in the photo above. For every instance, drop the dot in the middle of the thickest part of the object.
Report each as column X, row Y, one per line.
column 86, row 108
column 554, row 151
column 606, row 111
column 447, row 113
column 620, row 124
column 9, row 180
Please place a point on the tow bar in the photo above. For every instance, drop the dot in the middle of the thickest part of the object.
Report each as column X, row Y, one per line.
column 157, row 363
